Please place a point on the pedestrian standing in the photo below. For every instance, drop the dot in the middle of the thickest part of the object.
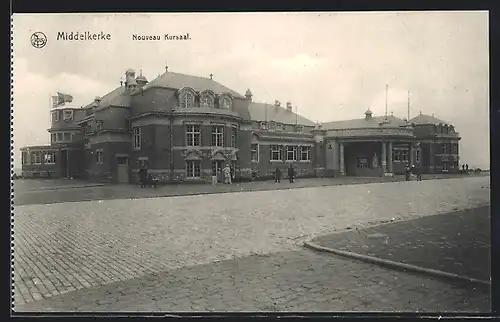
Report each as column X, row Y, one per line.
column 291, row 173
column 227, row 174
column 277, row 175
column 407, row 173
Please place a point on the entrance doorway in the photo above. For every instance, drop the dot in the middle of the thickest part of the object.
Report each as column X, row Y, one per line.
column 122, row 172
column 217, row 169
column 64, row 163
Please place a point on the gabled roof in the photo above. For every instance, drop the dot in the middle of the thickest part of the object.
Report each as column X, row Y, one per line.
column 427, row 119
column 373, row 122
column 178, row 81
column 117, row 97
column 262, row 112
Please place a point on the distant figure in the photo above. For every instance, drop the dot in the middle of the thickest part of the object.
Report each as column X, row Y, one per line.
column 227, row 174
column 407, row 173
column 417, row 172
column 466, row 168
column 143, row 175
column 291, row 173
column 277, row 175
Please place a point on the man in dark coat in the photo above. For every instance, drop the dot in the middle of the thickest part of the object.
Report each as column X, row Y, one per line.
column 407, row 173
column 277, row 175
column 291, row 173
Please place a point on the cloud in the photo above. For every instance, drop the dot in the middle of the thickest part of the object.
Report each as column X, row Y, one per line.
column 332, row 66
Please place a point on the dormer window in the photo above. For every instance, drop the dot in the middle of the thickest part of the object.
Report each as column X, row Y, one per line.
column 272, row 126
column 186, row 98
column 263, row 125
column 225, row 102
column 299, row 128
column 207, row 99
column 279, row 127
column 99, row 125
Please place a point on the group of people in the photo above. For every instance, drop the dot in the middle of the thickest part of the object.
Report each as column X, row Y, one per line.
column 413, row 170
column 227, row 175
column 291, row 174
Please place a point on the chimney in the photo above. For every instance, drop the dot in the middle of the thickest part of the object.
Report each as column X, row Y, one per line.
column 368, row 114
column 277, row 103
column 130, row 82
column 248, row 94
column 289, row 106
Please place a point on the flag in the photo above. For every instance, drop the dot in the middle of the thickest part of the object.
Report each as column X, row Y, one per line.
column 60, row 99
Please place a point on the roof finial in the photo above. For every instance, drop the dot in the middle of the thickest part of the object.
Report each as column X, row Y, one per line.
column 166, row 67
column 121, row 81
column 392, row 113
column 211, row 75
column 140, row 72
column 432, row 114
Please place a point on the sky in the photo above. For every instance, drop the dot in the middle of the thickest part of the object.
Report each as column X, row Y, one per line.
column 330, row 65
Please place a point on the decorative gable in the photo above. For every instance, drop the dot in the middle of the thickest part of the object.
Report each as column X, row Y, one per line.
column 193, row 154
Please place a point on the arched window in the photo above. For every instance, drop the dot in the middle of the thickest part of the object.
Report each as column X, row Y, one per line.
column 207, row 99
column 225, row 101
column 186, row 98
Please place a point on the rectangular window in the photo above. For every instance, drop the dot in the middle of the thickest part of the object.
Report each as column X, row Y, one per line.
column 36, row 157
column 444, row 148
column 404, row 155
column 59, row 137
column 218, row 135
column 454, row 148
column 276, row 153
column 193, row 168
column 49, row 157
column 99, row 125
column 99, row 157
column 362, row 163
column 53, row 138
column 120, row 160
column 24, row 158
column 67, row 136
column 254, row 149
column 291, row 153
column 68, row 115
column 396, row 155
column 417, row 156
column 137, row 134
column 55, row 116
column 193, row 135
column 305, row 153
column 87, row 129
column 234, row 135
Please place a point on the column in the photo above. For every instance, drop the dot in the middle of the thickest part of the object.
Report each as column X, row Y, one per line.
column 389, row 163
column 341, row 158
column 410, row 154
column 384, row 158
column 431, row 157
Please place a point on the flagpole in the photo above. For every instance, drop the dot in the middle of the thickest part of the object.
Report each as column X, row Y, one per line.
column 296, row 115
column 408, row 105
column 386, row 90
column 265, row 108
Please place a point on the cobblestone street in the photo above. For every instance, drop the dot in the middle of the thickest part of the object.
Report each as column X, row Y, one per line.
column 65, row 247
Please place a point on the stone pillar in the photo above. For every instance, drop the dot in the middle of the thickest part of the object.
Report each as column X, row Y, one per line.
column 384, row 158
column 389, row 163
column 411, row 152
column 431, row 157
column 341, row 158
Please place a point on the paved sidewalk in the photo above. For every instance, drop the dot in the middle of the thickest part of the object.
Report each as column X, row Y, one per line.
column 64, row 247
column 457, row 242
column 285, row 281
column 25, row 194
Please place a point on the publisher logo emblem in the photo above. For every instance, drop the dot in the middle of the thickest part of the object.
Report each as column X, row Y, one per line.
column 38, row 39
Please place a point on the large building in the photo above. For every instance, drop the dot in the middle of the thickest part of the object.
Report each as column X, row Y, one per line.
column 185, row 127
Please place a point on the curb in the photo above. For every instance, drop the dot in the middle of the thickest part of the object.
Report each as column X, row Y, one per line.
column 67, row 187
column 396, row 265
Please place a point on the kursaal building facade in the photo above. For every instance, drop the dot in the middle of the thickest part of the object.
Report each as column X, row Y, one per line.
column 185, row 127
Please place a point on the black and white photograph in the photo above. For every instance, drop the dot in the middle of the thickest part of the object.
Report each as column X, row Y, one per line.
column 251, row 162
